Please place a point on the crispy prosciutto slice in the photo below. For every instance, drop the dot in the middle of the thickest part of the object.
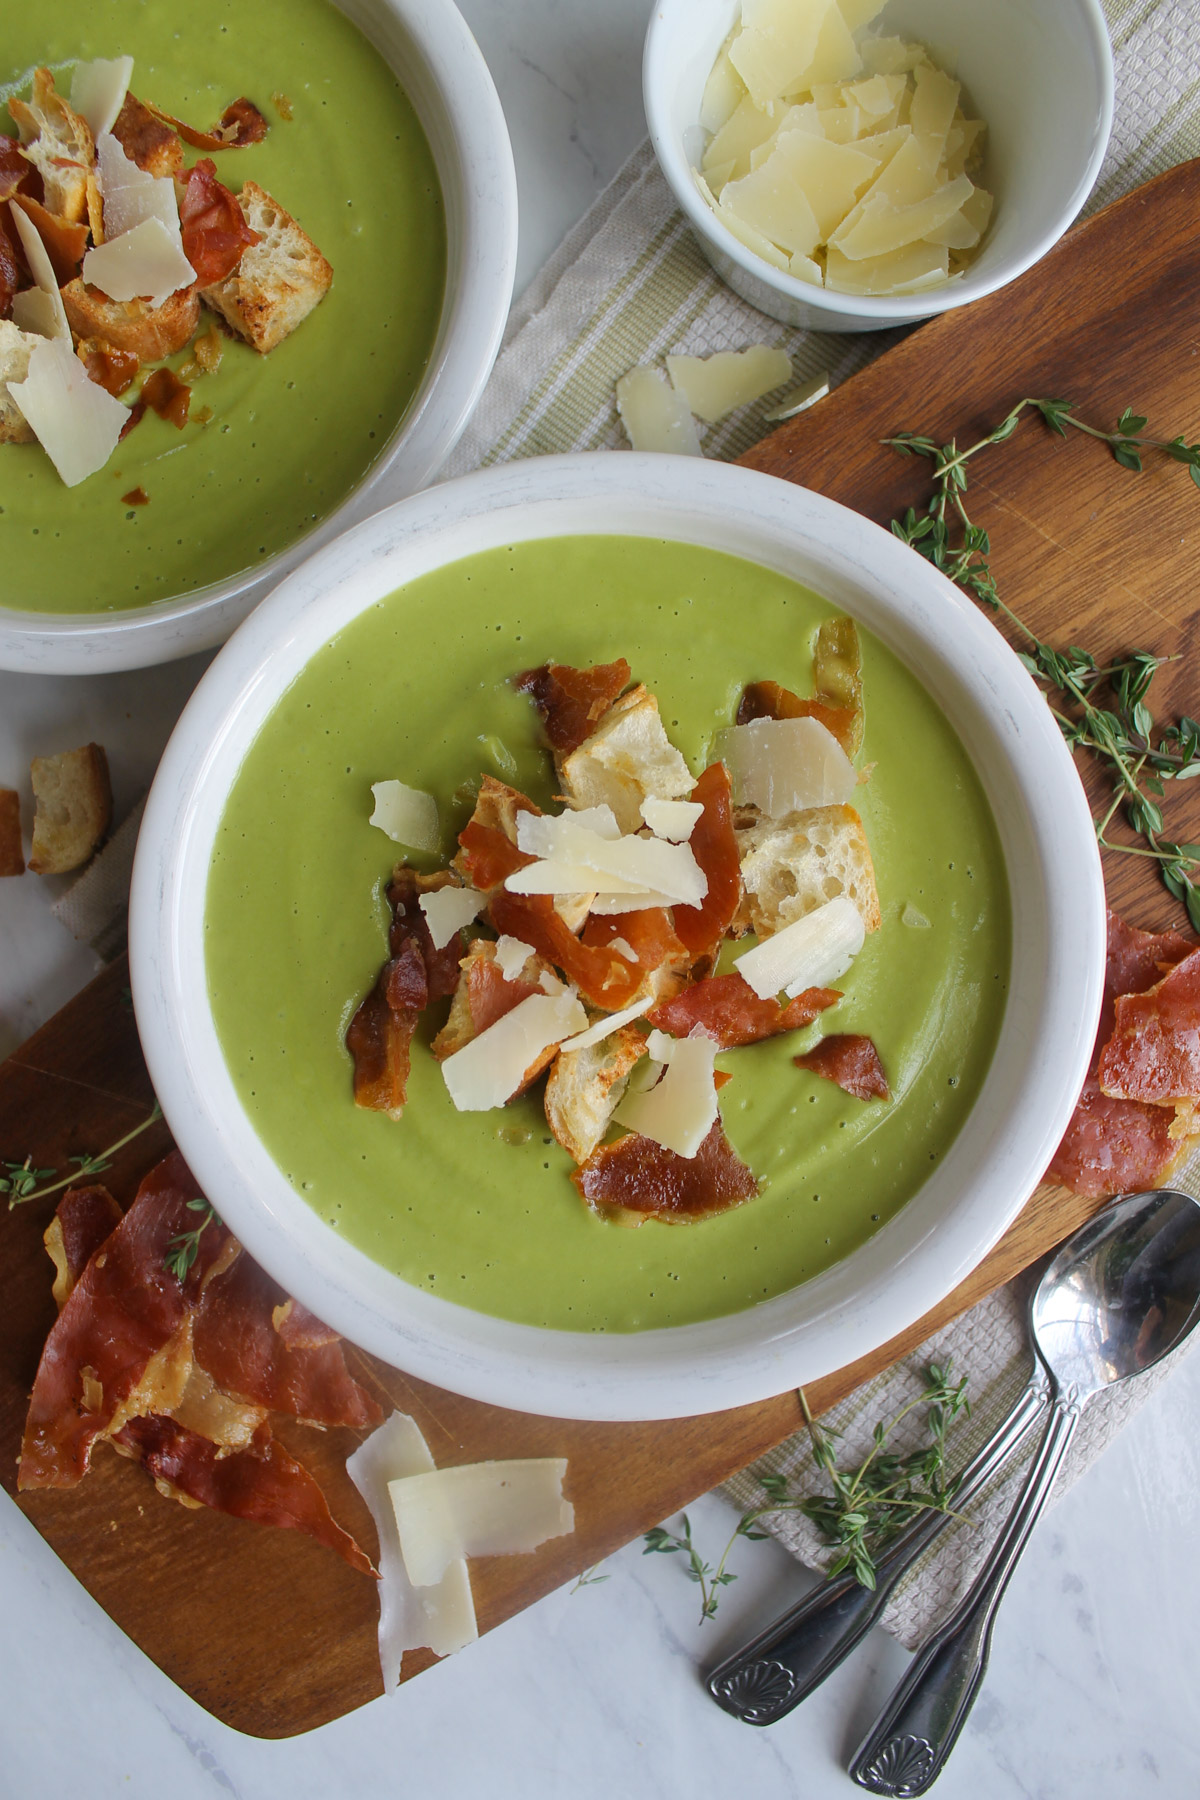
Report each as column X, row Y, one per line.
column 379, row 1036
column 16, row 173
column 65, row 243
column 261, row 1483
column 639, row 1176
column 837, row 679
column 1112, row 1145
column 240, row 124
column 726, row 1008
column 850, row 1060
column 1153, row 1054
column 235, row 1341
column 573, row 701
column 84, row 1218
column 212, row 225
column 603, row 975
column 120, row 1340
column 1116, row 1146
column 714, row 846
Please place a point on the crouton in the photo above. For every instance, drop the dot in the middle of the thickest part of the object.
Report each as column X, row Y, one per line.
column 585, row 1087
column 791, row 866
column 627, row 758
column 58, row 143
column 149, row 143
column 16, row 348
column 277, row 282
column 12, row 858
column 73, row 808
column 150, row 332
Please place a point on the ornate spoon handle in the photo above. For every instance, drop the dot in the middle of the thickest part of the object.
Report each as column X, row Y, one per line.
column 907, row 1747
column 772, row 1674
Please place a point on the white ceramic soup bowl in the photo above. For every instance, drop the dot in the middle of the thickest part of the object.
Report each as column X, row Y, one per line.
column 1039, row 75
column 442, row 71
column 1045, row 1038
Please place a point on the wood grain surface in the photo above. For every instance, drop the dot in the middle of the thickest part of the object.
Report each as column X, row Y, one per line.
column 275, row 1635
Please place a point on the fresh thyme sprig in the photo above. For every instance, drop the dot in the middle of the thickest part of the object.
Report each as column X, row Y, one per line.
column 183, row 1249
column 588, row 1577
column 22, row 1182
column 710, row 1580
column 868, row 1507
column 871, row 1505
column 1105, row 708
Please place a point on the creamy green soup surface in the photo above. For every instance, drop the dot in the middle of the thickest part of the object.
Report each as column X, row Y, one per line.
column 291, row 433
column 479, row 1207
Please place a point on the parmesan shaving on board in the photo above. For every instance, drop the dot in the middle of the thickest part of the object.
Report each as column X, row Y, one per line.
column 440, row 1617
column 478, row 1509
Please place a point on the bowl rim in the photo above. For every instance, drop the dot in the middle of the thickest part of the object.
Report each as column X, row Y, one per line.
column 877, row 310
column 470, row 330
column 912, row 1262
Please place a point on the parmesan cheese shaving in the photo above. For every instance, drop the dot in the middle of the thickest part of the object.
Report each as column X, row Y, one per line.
column 511, row 956
column 98, row 91
column 680, row 1112
column 46, row 315
column 785, row 765
column 448, row 910
column 439, row 1616
column 810, row 952
column 131, row 195
column 592, row 863
column 74, row 420
column 604, row 1027
column 478, row 1509
column 655, row 417
column 674, row 820
column 715, row 385
column 608, row 905
column 145, row 263
column 488, row 1071
column 817, row 142
column 408, row 815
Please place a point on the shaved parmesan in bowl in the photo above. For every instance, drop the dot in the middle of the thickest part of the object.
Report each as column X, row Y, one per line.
column 76, row 422
column 785, row 765
column 407, row 815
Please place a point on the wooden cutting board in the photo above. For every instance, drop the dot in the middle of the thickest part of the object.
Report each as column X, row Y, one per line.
column 275, row 1635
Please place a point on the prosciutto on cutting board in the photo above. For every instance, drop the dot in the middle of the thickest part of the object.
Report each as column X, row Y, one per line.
column 179, row 1375
column 1118, row 1142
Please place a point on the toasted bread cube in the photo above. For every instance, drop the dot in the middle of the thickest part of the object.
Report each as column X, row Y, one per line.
column 150, row 332
column 627, row 759
column 73, row 808
column 12, row 857
column 585, row 1086
column 58, row 143
column 149, row 143
column 791, row 866
column 276, row 282
column 16, row 348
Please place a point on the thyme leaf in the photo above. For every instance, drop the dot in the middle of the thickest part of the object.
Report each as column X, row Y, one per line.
column 1103, row 710
column 20, row 1181
column 183, row 1249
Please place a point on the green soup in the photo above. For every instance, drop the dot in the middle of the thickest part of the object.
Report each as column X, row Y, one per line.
column 478, row 1207
column 291, row 433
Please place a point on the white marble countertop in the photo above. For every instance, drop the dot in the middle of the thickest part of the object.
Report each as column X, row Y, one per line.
column 1090, row 1691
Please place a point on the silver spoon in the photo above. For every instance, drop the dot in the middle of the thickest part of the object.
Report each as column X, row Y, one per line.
column 1120, row 1294
column 780, row 1667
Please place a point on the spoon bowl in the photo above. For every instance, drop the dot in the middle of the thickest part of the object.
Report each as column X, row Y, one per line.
column 1121, row 1292
column 1119, row 1295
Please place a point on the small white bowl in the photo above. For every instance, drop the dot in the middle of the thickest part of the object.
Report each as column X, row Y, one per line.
column 1039, row 75
column 442, row 71
column 1045, row 1040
